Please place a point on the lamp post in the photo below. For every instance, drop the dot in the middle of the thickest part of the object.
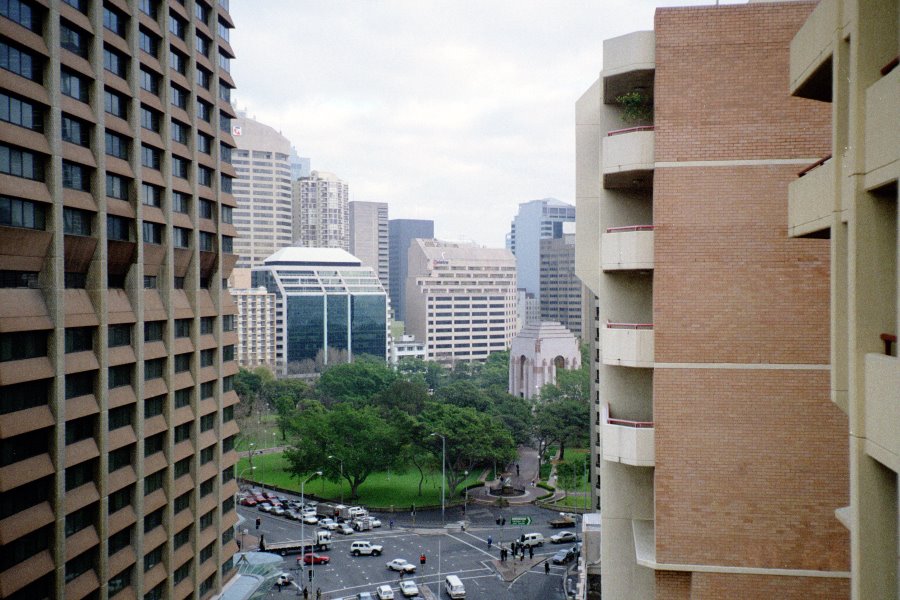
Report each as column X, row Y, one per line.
column 244, row 470
column 250, row 453
column 466, row 501
column 303, row 520
column 331, row 457
column 443, row 472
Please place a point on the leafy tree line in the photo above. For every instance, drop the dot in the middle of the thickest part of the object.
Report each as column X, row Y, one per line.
column 363, row 417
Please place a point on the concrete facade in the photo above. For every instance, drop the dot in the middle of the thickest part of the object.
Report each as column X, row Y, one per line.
column 369, row 240
column 712, row 484
column 844, row 57
column 535, row 355
column 561, row 296
column 264, row 214
column 117, row 338
column 460, row 299
column 255, row 322
column 322, row 211
column 401, row 232
column 536, row 220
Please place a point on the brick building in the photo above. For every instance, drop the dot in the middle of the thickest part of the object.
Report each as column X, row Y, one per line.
column 720, row 458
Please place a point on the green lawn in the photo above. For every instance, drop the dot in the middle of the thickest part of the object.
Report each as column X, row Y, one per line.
column 577, row 456
column 380, row 490
column 573, row 502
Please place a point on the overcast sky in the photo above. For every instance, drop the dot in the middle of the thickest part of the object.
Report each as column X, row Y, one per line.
column 455, row 111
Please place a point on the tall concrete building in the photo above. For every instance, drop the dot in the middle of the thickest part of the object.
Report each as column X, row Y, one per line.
column 264, row 214
column 536, row 220
column 845, row 57
column 460, row 299
column 117, row 339
column 256, row 315
column 561, row 297
column 401, row 233
column 329, row 308
column 720, row 457
column 321, row 211
column 369, row 237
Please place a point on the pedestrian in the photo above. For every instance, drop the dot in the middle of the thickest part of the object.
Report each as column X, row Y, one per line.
column 391, row 524
column 517, row 469
column 546, row 567
column 490, row 541
column 318, row 593
column 278, row 585
column 305, row 593
column 532, row 483
column 258, row 522
column 531, row 552
column 522, row 557
column 503, row 522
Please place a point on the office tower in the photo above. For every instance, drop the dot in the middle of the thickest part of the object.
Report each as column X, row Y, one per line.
column 255, row 322
column 329, row 308
column 528, row 309
column 845, row 58
column 321, row 211
column 536, row 220
column 263, row 216
column 400, row 233
column 560, row 289
column 300, row 165
column 460, row 299
column 369, row 236
column 116, row 336
column 721, row 458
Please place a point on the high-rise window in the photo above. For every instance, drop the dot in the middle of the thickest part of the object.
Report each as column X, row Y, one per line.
column 72, row 38
column 179, row 131
column 115, row 104
column 151, row 195
column 22, row 12
column 181, row 202
column 153, row 232
column 178, row 61
column 74, row 85
column 76, row 131
column 148, row 42
column 149, row 81
column 117, row 145
column 21, row 112
column 180, row 167
column 22, row 213
column 117, row 228
column 21, row 62
column 77, row 221
column 150, row 157
column 179, row 96
column 116, row 186
column 177, row 25
column 76, row 177
column 115, row 62
column 115, row 20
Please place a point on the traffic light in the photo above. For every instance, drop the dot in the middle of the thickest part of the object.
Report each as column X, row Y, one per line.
column 309, row 573
column 422, row 560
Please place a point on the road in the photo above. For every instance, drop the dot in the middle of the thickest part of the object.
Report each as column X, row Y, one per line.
column 447, row 550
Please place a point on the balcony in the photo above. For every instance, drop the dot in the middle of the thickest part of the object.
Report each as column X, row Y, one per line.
column 882, row 108
column 627, row 248
column 882, row 409
column 811, row 201
column 628, row 344
column 629, row 62
column 812, row 50
column 628, row 442
column 628, row 156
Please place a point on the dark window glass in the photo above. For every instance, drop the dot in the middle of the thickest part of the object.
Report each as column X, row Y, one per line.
column 225, row 123
column 204, row 110
column 150, row 119
column 79, row 5
column 151, row 195
column 180, row 167
column 202, row 77
column 227, row 322
column 224, row 91
column 182, row 433
column 79, row 384
column 77, row 221
column 227, row 214
column 24, row 496
column 201, row 11
column 120, row 499
column 81, row 564
column 179, row 131
column 22, row 12
column 121, row 416
column 181, row 237
column 154, row 330
column 228, row 244
column 206, row 209
column 228, row 383
column 207, row 519
column 202, row 44
column 79, row 429
column 178, row 61
column 182, row 572
column 181, row 202
column 21, row 163
column 204, row 143
column 21, row 62
column 119, row 582
column 21, row 112
column 150, row 157
column 149, row 7
column 207, row 359
column 81, row 518
column 227, row 184
column 154, row 444
column 116, row 186
column 22, row 213
column 179, row 96
column 154, row 406
column 177, row 25
column 207, row 422
column 114, row 20
column 178, row 283
column 153, row 482
column 119, row 376
column 74, row 85
column 119, row 335
column 207, row 325
column 204, row 176
column 149, row 81
column 20, row 447
column 207, row 455
column 183, row 396
column 76, row 177
column 79, row 339
column 117, row 145
column 119, row 541
column 72, row 38
column 22, row 345
column 183, row 328
column 148, row 42
column 150, row 282
column 182, row 537
column 117, row 228
column 115, row 104
column 152, row 233
column 80, row 474
column 224, row 62
column 182, row 467
column 119, row 458
column 153, row 558
column 115, row 62
column 206, row 487
column 228, row 353
column 182, row 502
column 76, row 131
column 153, row 520
column 182, row 362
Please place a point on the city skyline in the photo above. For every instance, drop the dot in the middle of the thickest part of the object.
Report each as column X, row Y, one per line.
column 435, row 110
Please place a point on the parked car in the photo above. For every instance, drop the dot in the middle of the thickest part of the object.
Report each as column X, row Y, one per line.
column 248, row 501
column 259, row 498
column 293, row 515
column 374, row 522
column 329, row 524
column 312, row 558
column 265, row 507
column 563, row 556
column 384, row 592
column 564, row 537
column 278, row 511
column 409, row 588
column 365, row 596
column 345, row 529
column 401, row 564
column 310, row 519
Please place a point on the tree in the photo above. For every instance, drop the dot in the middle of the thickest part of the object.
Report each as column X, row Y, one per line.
column 566, row 420
column 433, row 374
column 358, row 436
column 514, row 412
column 355, row 382
column 464, row 393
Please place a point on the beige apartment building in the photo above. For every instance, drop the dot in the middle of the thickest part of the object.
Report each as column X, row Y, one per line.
column 460, row 299
column 845, row 57
column 321, row 211
column 369, row 240
column 720, row 457
column 116, row 336
column 256, row 317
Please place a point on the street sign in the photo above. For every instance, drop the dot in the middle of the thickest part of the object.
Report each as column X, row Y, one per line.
column 520, row 521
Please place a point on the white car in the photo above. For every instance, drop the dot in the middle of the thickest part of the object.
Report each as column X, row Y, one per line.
column 401, row 564
column 564, row 537
column 409, row 588
column 345, row 529
column 310, row 519
column 329, row 524
column 374, row 522
column 384, row 592
column 284, row 579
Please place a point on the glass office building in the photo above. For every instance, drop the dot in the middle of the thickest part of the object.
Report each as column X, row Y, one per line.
column 330, row 308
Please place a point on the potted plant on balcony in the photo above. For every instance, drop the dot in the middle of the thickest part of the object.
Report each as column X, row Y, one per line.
column 637, row 107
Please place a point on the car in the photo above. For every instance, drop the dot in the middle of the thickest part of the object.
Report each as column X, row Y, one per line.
column 284, row 579
column 365, row 596
column 310, row 519
column 409, row 588
column 401, row 564
column 564, row 537
column 563, row 556
column 293, row 515
column 265, row 507
column 345, row 529
column 260, row 498
column 365, row 548
column 384, row 592
column 248, row 501
column 329, row 524
column 374, row 522
column 311, row 558
column 277, row 510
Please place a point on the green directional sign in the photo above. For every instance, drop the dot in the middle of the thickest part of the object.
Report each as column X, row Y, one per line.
column 520, row 521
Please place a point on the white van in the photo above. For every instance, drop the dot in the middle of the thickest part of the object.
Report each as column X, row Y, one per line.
column 454, row 587
column 533, row 539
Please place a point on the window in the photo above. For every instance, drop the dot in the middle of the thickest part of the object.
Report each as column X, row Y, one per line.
column 183, row 467
column 178, row 61
column 117, row 228
column 21, row 112
column 182, row 433
column 224, row 91
column 181, row 202
column 178, row 283
column 179, row 96
column 79, row 339
column 227, row 322
column 79, row 429
column 207, row 241
column 202, row 77
column 116, row 186
column 148, row 42
column 204, row 143
column 73, row 38
column 21, row 12
column 206, row 325
column 154, row 368
column 228, row 413
column 119, row 335
column 18, row 279
column 151, row 195
column 75, row 131
column 21, row 345
column 204, row 176
column 119, row 541
column 182, row 328
column 153, row 482
column 150, row 119
column 119, row 582
column 115, row 62
column 182, row 502
column 182, row 537
column 201, row 11
column 224, row 62
column 154, row 444
column 207, row 519
column 79, row 5
column 207, row 455
column 228, row 383
column 120, row 499
column 149, row 7
column 180, row 167
column 225, row 123
column 117, row 145
column 154, row 519
column 204, row 110
column 80, row 474
column 206, row 209
column 179, row 131
column 207, row 359
column 150, row 282
column 150, row 157
column 119, row 376
column 207, row 422
column 114, row 20
column 149, row 81
column 224, row 31
column 80, row 565
column 22, row 213
column 76, row 177
column 202, row 44
column 79, row 384
column 182, row 572
column 227, row 214
column 21, row 62
column 119, row 458
column 206, row 487
column 115, row 104
column 182, row 397
column 154, row 406
column 153, row 331
column 152, row 232
column 228, row 244
column 228, row 443
column 21, row 163
column 77, row 221
column 80, row 519
column 227, row 184
column 120, row 416
column 182, row 362
column 181, row 237
column 177, row 25
column 75, row 281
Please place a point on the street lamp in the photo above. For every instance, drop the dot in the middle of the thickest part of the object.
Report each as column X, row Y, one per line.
column 250, row 453
column 443, row 472
column 303, row 504
column 244, row 470
column 466, row 501
column 331, row 457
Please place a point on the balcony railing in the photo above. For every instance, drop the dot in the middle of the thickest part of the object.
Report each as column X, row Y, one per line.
column 627, row 248
column 628, row 156
column 811, row 199
column 628, row 442
column 628, row 344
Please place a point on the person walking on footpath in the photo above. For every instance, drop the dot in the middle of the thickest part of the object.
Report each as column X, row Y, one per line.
column 490, row 541
column 531, row 552
column 547, row 567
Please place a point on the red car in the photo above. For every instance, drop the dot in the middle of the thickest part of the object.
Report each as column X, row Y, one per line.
column 313, row 558
column 248, row 501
